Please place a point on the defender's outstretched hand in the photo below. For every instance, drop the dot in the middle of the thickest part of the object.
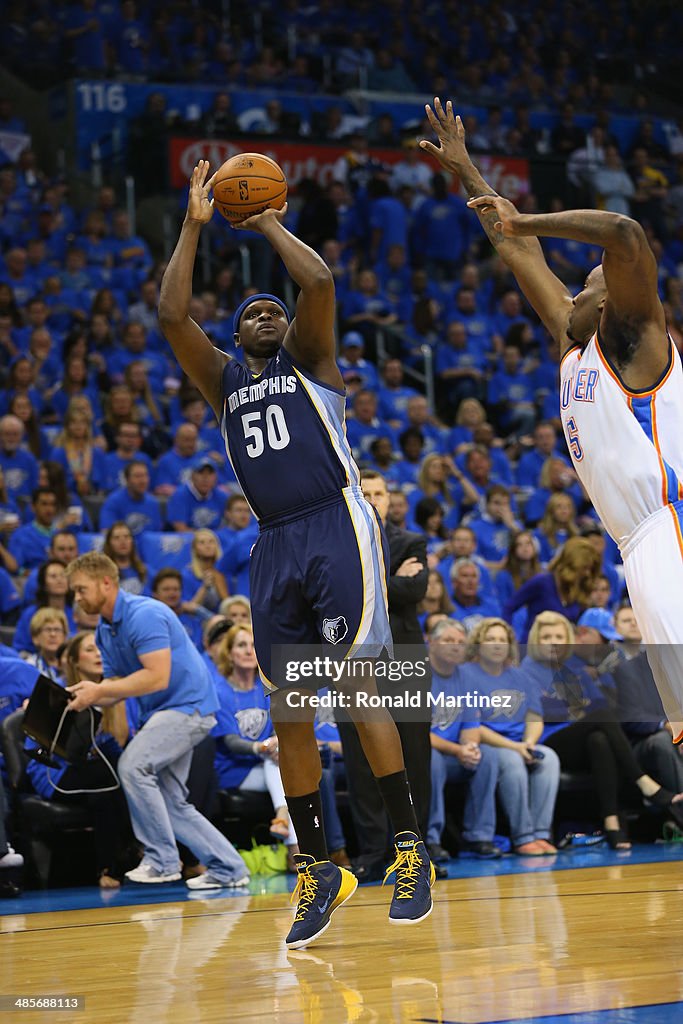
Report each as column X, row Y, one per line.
column 450, row 132
column 257, row 220
column 510, row 222
column 199, row 206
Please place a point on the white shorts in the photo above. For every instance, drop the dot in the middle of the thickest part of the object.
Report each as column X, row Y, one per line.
column 653, row 568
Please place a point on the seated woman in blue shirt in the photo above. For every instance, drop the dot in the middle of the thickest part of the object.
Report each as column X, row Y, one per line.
column 113, row 835
column 528, row 774
column 246, row 744
column 203, row 583
column 581, row 728
column 49, row 630
column 119, row 544
column 557, row 525
column 52, row 591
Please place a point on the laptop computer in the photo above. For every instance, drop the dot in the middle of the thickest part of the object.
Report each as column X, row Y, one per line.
column 42, row 719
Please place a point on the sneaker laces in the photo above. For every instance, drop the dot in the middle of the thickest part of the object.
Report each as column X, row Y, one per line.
column 305, row 892
column 407, row 867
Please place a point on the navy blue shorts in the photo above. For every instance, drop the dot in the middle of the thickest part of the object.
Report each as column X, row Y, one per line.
column 321, row 579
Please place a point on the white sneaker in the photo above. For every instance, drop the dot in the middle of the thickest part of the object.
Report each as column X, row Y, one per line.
column 208, row 881
column 11, row 859
column 146, row 875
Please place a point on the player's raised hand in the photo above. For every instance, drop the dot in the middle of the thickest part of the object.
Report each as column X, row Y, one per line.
column 258, row 221
column 199, row 206
column 450, row 131
column 510, row 221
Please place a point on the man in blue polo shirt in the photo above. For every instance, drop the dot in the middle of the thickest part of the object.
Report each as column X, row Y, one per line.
column 147, row 654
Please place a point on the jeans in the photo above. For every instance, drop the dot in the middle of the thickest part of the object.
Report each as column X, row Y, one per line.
column 528, row 794
column 153, row 770
column 480, row 805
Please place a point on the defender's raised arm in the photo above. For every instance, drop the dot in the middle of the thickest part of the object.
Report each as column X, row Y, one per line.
column 628, row 262
column 544, row 291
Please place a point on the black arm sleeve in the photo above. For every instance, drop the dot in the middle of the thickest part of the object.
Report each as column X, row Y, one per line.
column 237, row 746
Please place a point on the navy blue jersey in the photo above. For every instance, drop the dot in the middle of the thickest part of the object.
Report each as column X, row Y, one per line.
column 285, row 437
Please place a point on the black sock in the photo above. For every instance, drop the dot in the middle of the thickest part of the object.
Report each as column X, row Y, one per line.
column 395, row 792
column 307, row 818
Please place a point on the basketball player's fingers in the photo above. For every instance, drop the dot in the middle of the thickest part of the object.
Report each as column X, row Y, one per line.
column 478, row 201
column 449, row 112
column 210, row 183
column 246, row 224
column 439, row 108
column 460, row 126
column 429, row 147
column 433, row 119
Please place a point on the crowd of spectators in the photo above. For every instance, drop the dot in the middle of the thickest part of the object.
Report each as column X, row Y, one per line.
column 496, row 52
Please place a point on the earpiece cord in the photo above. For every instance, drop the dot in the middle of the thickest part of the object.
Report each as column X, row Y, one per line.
column 76, row 792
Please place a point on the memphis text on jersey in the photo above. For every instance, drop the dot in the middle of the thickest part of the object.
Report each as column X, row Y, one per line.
column 282, row 385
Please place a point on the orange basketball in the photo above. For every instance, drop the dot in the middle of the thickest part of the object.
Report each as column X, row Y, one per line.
column 249, row 183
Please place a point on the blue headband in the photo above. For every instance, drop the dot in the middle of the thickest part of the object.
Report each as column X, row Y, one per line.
column 255, row 298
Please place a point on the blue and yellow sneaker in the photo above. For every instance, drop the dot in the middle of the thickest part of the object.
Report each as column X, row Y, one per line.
column 321, row 888
column 415, row 876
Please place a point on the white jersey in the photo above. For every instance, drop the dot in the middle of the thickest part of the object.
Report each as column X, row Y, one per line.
column 626, row 446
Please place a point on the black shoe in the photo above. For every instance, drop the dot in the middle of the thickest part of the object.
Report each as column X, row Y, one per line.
column 664, row 799
column 482, row 850
column 437, row 854
column 8, row 890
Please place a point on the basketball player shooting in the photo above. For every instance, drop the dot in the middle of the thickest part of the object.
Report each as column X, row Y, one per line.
column 621, row 391
column 317, row 571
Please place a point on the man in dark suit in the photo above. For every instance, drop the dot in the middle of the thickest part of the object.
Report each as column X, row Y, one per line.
column 406, row 587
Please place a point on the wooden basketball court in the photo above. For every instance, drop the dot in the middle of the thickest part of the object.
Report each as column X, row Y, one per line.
column 538, row 945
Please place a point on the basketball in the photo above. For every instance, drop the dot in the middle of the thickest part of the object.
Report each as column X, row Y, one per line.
column 249, row 183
